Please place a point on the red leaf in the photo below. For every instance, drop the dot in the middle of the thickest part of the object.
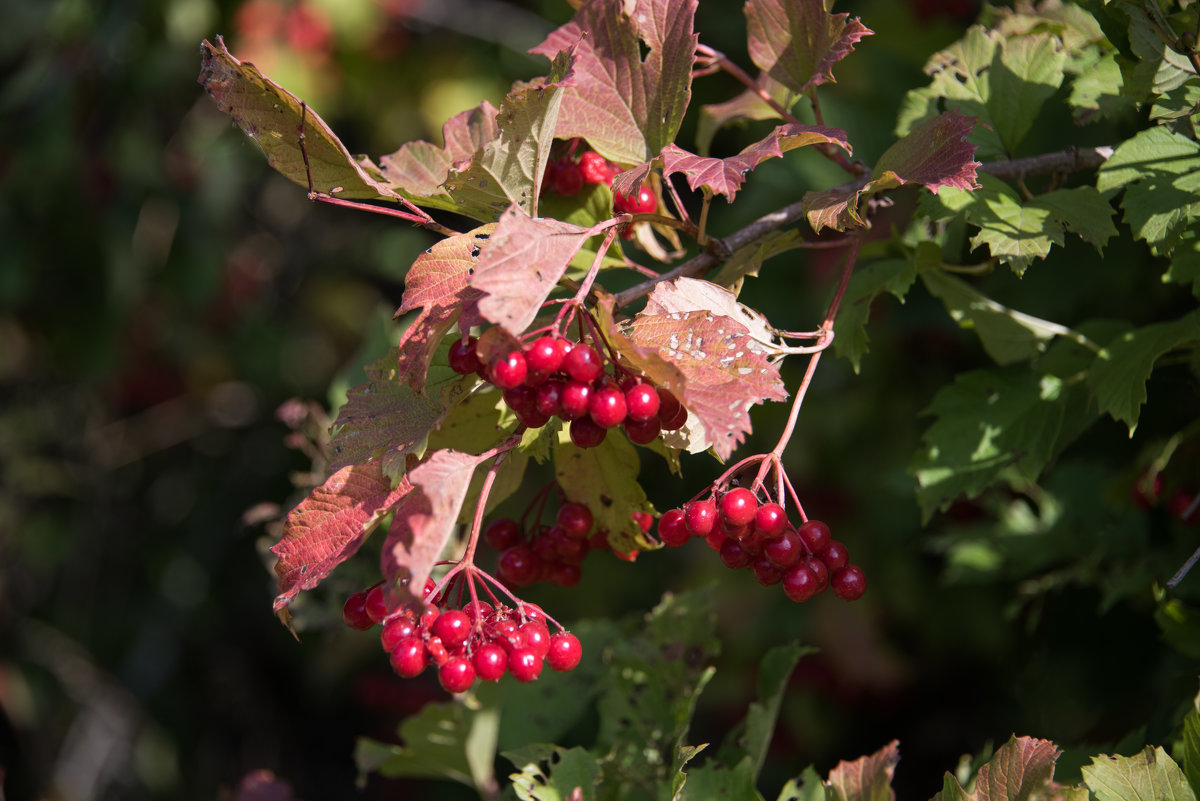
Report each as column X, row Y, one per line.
column 725, row 176
column 420, row 168
column 424, row 521
column 1021, row 769
column 328, row 526
column 797, row 42
column 868, row 777
column 521, row 264
column 437, row 284
column 626, row 106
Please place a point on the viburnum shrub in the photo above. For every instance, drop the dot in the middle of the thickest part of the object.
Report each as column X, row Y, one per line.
column 518, row 331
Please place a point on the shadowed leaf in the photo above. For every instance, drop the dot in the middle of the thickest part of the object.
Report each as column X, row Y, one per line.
column 797, row 42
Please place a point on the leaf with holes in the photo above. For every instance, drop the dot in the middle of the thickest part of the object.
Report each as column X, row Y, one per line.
column 330, row 525
column 627, row 106
column 797, row 42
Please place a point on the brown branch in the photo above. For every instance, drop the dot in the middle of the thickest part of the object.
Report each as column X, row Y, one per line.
column 1071, row 159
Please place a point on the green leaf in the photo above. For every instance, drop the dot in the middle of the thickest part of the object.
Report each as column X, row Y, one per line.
column 1026, row 73
column 867, row 778
column 1178, row 104
column 987, row 422
column 807, row 787
column 1096, row 91
column 1118, row 376
column 718, row 781
column 1179, row 624
column 1082, row 211
column 866, row 284
column 1152, row 774
column 573, row 769
column 605, row 479
column 1160, row 173
column 1191, row 747
column 454, row 740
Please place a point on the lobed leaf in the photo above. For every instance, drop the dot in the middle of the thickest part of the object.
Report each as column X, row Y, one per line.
column 1150, row 774
column 797, row 42
column 867, row 778
column 627, row 106
column 522, row 262
column 1160, row 173
column 420, row 169
column 329, row 526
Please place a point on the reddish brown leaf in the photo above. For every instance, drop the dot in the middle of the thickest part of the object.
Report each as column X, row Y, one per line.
column 626, row 106
column 437, row 283
column 521, row 264
column 797, row 42
column 867, row 778
column 934, row 154
column 725, row 176
column 419, row 168
column 835, row 208
column 328, row 526
column 1020, row 770
column 424, row 521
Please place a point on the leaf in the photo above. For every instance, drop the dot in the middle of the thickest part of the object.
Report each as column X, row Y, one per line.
column 1185, row 264
column 1082, row 211
column 453, row 740
column 725, row 176
column 1026, row 73
column 1191, row 746
column 521, row 264
column 420, row 169
column 807, row 787
column 573, row 777
column 1150, row 774
column 1096, row 92
column 748, row 106
column 605, row 479
column 627, row 106
column 1021, row 770
column 867, row 778
column 987, row 422
column 748, row 259
column 1119, row 374
column 330, row 525
column 437, row 283
column 1006, row 334
column 709, row 362
column 713, row 781
column 1160, row 173
column 866, row 284
column 271, row 116
column 797, row 42
column 934, row 154
column 424, row 521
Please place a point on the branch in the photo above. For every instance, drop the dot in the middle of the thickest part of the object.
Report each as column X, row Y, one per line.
column 1072, row 159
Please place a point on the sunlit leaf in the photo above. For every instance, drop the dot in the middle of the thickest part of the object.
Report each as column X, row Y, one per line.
column 867, row 778
column 1150, row 774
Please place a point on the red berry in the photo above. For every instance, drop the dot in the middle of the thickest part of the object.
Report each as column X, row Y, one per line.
column 607, row 407
column 574, row 400
column 848, row 583
column 599, row 540
column 533, row 418
column 700, row 517
column 519, row 565
column 565, row 652
column 456, row 675
column 408, row 657
column 770, row 520
column 642, row 402
column 521, row 398
column 437, row 651
column 453, row 627
column 738, row 506
column 642, row 201
column 668, row 404
column 715, row 539
column 575, row 519
column 463, row 358
column 502, row 533
column 565, row 574
column 376, row 604
column 398, row 628
column 835, row 556
column 766, row 572
column 354, row 612
column 645, row 520
column 567, row 179
column 548, row 398
column 815, row 536
column 490, row 661
column 731, row 530
column 583, row 363
column 594, row 168
column 544, row 355
column 734, row 555
column 537, row 637
column 784, row 550
column 508, row 369
column 799, row 583
column 672, row 530
column 675, row 421
column 642, row 432
column 524, row 665
column 477, row 610
column 586, row 434
column 820, row 570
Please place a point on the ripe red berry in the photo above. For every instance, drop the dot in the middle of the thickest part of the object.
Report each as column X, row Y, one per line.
column 734, row 555
column 700, row 517
column 477, row 610
column 453, row 627
column 537, row 637
column 642, row 201
column 564, row 573
column 565, row 652
column 567, row 179
column 770, row 520
column 586, row 434
column 354, row 612
column 408, row 657
column 642, row 402
column 462, row 356
column 490, row 661
column 815, row 536
column 574, row 399
column 766, row 572
column 532, row 418
column 835, row 556
column 575, row 519
column 715, row 539
column 849, row 583
column 548, row 396
column 784, row 550
column 508, row 370
column 594, row 168
column 645, row 520
column 583, row 363
column 738, row 506
column 519, row 566
column 607, row 407
column 820, row 570
column 456, row 675
column 675, row 421
column 521, row 398
column 544, row 355
column 376, row 605
column 672, row 530
column 799, row 583
column 524, row 665
column 398, row 628
column 642, row 432
column 502, row 533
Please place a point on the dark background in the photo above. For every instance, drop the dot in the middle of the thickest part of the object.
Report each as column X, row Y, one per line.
column 162, row 293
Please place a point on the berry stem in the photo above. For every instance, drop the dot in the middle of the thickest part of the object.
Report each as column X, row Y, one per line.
column 586, row 286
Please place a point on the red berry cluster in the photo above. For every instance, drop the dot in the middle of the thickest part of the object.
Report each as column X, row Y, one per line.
column 565, row 176
column 554, row 377
column 477, row 641
column 759, row 537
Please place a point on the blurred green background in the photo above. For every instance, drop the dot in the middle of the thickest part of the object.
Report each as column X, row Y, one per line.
column 163, row 293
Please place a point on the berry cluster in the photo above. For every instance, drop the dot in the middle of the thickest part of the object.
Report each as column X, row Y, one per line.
column 480, row 640
column 759, row 537
column 565, row 176
column 554, row 377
